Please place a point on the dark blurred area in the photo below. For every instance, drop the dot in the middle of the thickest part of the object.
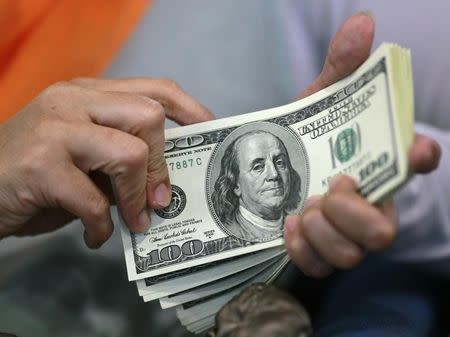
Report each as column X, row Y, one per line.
column 59, row 292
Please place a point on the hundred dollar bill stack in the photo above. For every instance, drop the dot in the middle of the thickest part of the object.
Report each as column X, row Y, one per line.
column 234, row 180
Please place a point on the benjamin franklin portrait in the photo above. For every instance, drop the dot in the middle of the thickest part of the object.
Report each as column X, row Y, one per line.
column 257, row 186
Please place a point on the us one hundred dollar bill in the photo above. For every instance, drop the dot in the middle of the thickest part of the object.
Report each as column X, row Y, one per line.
column 235, row 179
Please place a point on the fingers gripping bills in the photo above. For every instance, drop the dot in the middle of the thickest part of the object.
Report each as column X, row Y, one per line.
column 235, row 180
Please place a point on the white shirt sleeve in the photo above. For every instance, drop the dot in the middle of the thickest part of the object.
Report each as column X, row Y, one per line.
column 424, row 212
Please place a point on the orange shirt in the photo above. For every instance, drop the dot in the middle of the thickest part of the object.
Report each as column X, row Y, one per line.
column 45, row 41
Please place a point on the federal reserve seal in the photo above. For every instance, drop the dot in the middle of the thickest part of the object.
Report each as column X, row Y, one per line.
column 176, row 206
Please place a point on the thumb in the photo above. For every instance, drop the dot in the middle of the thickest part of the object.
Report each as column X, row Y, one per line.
column 424, row 155
column 158, row 186
column 348, row 49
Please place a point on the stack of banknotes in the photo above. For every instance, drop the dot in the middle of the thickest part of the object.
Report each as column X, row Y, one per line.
column 235, row 179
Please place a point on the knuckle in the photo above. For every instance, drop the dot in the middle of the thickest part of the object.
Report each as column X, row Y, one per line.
column 131, row 200
column 170, row 85
column 97, row 209
column 338, row 200
column 157, row 167
column 156, row 117
column 80, row 81
column 310, row 218
column 37, row 160
column 172, row 89
column 333, row 202
column 56, row 95
column 340, row 205
column 381, row 237
column 57, row 89
column 347, row 180
column 309, row 261
column 136, row 154
column 349, row 258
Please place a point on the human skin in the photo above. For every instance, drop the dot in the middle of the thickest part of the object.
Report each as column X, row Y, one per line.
column 337, row 229
column 56, row 154
column 263, row 183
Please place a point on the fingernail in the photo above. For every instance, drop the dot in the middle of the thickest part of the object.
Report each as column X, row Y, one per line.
column 162, row 195
column 369, row 14
column 144, row 220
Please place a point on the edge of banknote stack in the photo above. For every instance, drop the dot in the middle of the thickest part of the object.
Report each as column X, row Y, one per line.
column 191, row 261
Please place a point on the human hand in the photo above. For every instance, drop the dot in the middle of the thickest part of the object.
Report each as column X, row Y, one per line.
column 337, row 229
column 56, row 153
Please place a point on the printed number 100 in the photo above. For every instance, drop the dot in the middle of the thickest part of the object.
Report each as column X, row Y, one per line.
column 173, row 252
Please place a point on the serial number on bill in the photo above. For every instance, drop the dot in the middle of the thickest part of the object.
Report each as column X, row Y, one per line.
column 186, row 163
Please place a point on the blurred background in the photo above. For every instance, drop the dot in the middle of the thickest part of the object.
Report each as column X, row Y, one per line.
column 233, row 56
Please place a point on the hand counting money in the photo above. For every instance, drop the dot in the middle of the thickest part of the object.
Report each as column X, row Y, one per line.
column 234, row 180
